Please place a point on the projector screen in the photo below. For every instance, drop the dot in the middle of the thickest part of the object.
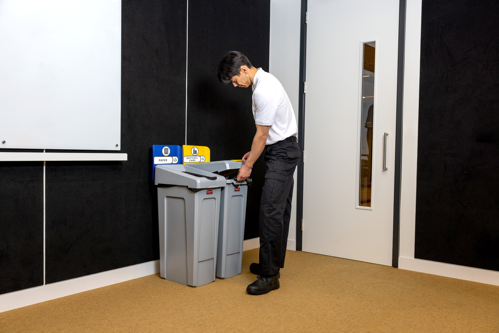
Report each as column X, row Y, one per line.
column 60, row 74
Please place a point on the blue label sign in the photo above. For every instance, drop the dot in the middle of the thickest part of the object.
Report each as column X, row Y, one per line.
column 165, row 154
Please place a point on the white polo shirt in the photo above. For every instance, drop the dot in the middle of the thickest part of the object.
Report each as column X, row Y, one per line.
column 272, row 107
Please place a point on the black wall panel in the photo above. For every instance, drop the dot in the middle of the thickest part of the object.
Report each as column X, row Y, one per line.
column 457, row 214
column 103, row 215
column 21, row 225
column 220, row 116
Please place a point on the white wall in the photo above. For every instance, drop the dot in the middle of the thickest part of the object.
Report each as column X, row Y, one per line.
column 285, row 65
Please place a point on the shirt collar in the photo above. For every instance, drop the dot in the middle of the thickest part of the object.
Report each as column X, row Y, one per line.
column 257, row 77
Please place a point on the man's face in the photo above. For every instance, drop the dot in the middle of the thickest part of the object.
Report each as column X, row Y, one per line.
column 242, row 80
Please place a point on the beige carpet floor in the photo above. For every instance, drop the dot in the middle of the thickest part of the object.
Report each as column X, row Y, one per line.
column 317, row 294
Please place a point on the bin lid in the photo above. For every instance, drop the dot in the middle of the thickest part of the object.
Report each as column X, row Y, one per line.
column 219, row 166
column 186, row 175
column 227, row 168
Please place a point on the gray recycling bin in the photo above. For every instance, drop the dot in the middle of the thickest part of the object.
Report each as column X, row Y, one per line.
column 188, row 209
column 232, row 217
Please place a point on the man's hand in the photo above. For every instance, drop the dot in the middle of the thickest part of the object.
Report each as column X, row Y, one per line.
column 244, row 173
column 245, row 157
column 262, row 132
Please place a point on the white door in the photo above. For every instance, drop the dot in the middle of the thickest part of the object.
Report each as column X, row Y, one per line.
column 352, row 52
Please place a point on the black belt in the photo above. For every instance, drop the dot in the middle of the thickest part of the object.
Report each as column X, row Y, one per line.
column 291, row 138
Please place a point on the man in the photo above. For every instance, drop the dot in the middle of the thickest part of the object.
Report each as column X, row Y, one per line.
column 276, row 131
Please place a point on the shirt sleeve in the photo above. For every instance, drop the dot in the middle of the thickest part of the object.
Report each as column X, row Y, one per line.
column 266, row 105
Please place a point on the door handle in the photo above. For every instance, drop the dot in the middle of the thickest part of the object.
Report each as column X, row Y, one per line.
column 384, row 152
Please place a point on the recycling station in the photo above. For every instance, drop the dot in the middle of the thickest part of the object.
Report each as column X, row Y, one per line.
column 201, row 211
column 232, row 217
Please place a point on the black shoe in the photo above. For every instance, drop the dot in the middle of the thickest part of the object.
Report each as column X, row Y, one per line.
column 257, row 270
column 263, row 285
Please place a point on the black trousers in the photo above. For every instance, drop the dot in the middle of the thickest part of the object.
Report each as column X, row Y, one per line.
column 275, row 207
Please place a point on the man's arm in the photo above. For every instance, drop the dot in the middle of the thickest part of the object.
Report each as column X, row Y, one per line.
column 262, row 132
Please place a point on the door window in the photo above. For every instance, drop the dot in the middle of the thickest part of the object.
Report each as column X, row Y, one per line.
column 367, row 125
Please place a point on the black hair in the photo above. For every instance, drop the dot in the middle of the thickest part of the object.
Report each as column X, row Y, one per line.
column 230, row 65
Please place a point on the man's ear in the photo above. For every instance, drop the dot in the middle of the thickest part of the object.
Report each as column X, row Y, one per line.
column 243, row 69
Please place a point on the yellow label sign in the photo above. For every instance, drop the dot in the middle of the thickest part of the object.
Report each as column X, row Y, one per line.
column 196, row 154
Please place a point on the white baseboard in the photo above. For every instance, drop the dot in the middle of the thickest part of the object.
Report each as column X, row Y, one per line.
column 22, row 298
column 250, row 244
column 254, row 243
column 450, row 270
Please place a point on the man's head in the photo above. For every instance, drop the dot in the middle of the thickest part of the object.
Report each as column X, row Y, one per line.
column 235, row 68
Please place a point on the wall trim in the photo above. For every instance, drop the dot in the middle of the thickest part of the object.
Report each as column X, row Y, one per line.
column 450, row 270
column 43, row 157
column 254, row 243
column 410, row 129
column 35, row 295
column 399, row 134
column 250, row 244
column 22, row 298
column 301, row 124
column 186, row 67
